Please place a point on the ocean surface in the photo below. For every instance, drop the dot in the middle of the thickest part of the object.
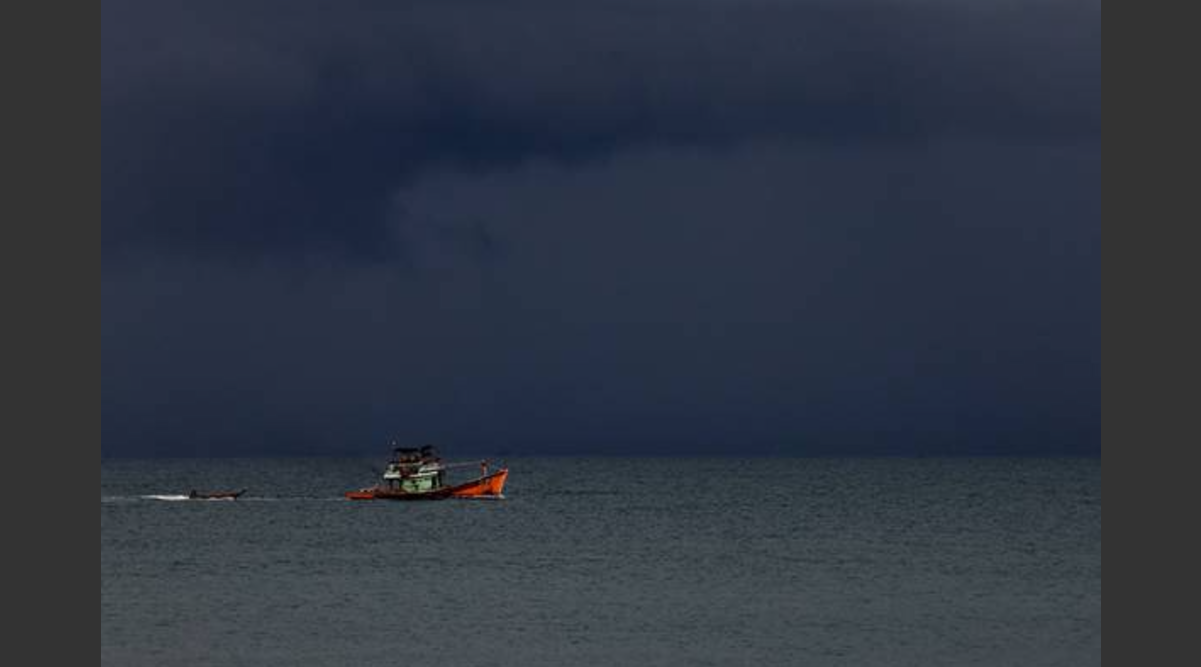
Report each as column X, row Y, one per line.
column 607, row 562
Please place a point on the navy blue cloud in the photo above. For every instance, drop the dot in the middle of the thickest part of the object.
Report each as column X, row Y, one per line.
column 268, row 128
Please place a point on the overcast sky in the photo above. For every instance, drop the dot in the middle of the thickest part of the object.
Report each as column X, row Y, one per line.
column 536, row 227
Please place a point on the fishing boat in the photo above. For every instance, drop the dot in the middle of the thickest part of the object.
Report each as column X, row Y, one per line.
column 215, row 495
column 420, row 474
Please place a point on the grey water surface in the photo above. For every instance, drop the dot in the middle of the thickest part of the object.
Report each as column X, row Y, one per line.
column 717, row 561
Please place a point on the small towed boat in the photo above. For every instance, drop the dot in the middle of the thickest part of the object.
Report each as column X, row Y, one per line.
column 420, row 474
column 215, row 495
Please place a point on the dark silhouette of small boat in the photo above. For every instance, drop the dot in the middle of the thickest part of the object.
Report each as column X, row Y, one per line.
column 215, row 495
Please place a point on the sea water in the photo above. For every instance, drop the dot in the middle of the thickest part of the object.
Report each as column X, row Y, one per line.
column 607, row 562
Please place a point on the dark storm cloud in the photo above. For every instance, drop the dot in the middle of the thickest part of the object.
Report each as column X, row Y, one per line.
column 287, row 128
column 681, row 226
column 763, row 299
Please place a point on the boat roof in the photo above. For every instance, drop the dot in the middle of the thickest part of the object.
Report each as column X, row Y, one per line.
column 424, row 449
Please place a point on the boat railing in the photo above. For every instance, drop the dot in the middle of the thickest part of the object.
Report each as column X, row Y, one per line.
column 467, row 464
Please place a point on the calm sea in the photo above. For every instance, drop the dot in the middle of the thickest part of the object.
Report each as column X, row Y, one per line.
column 608, row 562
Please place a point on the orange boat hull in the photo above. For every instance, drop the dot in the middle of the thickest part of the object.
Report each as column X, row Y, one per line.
column 488, row 486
